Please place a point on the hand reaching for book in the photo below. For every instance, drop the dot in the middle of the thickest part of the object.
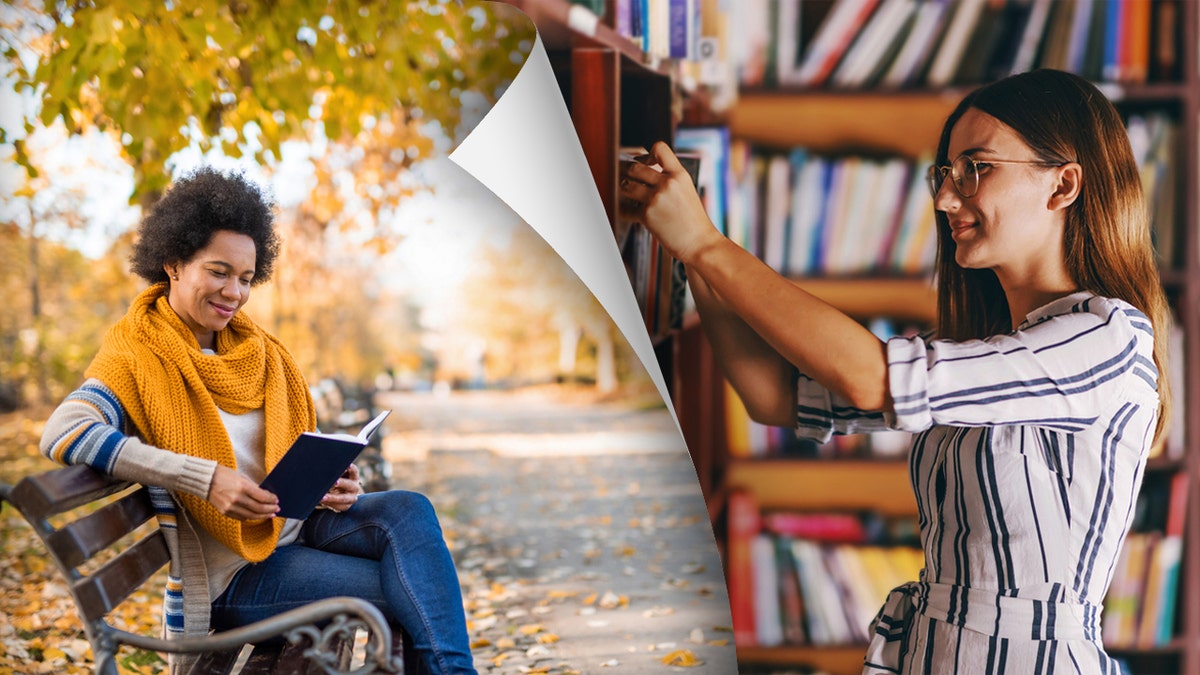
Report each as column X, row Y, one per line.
column 344, row 493
column 664, row 199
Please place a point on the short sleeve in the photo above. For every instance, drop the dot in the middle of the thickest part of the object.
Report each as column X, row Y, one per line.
column 1061, row 372
column 820, row 414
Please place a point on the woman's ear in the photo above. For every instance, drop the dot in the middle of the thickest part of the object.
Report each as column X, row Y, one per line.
column 172, row 270
column 1066, row 190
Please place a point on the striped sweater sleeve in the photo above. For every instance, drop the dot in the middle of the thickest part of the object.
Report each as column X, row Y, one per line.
column 1061, row 373
column 89, row 427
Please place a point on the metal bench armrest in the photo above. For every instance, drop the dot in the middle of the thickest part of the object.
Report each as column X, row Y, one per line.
column 344, row 614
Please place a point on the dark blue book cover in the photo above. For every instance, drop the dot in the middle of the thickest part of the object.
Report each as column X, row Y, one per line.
column 312, row 465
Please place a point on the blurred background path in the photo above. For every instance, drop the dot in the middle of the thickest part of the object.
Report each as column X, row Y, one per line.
column 579, row 530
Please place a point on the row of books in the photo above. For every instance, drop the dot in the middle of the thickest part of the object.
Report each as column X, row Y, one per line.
column 659, row 281
column 1140, row 608
column 662, row 28
column 807, row 214
column 807, row 578
column 1154, row 138
column 935, row 43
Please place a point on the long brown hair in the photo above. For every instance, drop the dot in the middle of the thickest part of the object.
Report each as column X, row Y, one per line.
column 1106, row 241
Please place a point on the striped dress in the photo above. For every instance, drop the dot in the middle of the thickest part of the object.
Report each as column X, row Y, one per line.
column 1027, row 456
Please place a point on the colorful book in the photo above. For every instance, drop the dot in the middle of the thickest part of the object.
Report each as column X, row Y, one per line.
column 954, row 43
column 743, row 526
column 832, row 39
column 768, row 626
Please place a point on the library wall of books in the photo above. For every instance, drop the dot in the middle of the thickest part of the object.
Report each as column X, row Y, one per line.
column 808, row 124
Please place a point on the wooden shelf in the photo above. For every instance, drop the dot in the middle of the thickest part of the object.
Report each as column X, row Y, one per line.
column 868, row 297
column 819, row 122
column 826, row 485
column 833, row 659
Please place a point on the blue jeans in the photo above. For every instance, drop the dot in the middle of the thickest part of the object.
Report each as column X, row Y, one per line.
column 387, row 549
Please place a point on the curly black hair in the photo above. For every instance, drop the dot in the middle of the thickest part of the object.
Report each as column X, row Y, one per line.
column 196, row 207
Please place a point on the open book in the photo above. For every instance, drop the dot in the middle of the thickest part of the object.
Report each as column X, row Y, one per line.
column 312, row 465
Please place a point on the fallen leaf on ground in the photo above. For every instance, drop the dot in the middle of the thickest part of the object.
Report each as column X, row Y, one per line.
column 682, row 657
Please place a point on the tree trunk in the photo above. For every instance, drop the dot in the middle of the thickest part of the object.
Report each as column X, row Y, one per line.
column 568, row 347
column 606, row 362
column 39, row 349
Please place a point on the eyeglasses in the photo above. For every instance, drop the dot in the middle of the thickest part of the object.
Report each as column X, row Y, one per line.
column 964, row 171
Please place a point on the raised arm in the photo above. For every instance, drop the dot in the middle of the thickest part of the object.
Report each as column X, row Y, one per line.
column 762, row 378
column 828, row 346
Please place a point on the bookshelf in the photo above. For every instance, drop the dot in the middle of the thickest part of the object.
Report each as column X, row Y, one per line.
column 906, row 121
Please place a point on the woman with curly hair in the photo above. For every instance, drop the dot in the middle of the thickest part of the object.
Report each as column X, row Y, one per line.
column 1032, row 410
column 191, row 397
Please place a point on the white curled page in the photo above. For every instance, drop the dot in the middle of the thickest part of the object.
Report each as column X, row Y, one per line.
column 526, row 152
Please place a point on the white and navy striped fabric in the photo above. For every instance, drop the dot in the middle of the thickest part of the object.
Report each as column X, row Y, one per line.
column 1026, row 461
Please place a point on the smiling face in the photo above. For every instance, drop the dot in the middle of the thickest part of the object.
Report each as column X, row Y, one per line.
column 1012, row 224
column 209, row 289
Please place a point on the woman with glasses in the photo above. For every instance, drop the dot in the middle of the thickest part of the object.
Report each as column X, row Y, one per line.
column 1034, row 405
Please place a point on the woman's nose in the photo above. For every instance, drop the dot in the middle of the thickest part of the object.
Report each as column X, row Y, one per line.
column 947, row 198
column 232, row 288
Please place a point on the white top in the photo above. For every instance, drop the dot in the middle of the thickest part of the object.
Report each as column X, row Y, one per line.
column 246, row 434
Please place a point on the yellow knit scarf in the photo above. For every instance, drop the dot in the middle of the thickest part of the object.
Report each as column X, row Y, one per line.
column 171, row 391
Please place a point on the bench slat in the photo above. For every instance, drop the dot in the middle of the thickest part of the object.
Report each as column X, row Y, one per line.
column 44, row 495
column 117, row 579
column 289, row 658
column 76, row 543
column 215, row 663
column 262, row 660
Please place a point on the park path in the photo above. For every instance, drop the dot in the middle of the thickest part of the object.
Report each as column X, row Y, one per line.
column 579, row 531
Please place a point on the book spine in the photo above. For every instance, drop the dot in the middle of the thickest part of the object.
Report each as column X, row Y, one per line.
column 1081, row 21
column 919, row 44
column 791, row 601
column 624, row 18
column 833, row 36
column 1170, row 551
column 1137, row 39
column 768, row 626
column 678, row 18
column 954, row 43
column 743, row 527
column 1031, row 37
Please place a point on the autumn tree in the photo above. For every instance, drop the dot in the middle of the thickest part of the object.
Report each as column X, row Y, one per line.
column 369, row 88
column 246, row 76
column 538, row 317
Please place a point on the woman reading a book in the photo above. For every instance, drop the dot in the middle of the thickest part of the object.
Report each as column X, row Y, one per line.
column 1034, row 405
column 190, row 397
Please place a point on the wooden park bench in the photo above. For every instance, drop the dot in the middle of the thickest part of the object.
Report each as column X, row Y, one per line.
column 319, row 636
